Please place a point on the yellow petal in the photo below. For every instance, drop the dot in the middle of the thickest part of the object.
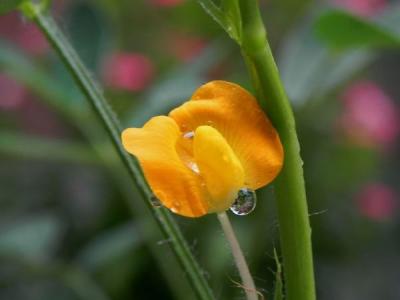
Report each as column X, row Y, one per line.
column 235, row 113
column 219, row 167
column 173, row 183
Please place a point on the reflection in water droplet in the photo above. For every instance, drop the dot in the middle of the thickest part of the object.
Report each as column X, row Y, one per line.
column 245, row 202
column 194, row 167
column 155, row 201
column 188, row 135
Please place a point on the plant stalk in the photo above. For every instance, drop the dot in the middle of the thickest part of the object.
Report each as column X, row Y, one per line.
column 240, row 261
column 295, row 231
column 107, row 117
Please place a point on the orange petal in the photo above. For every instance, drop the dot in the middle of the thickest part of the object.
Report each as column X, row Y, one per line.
column 177, row 186
column 235, row 113
column 219, row 167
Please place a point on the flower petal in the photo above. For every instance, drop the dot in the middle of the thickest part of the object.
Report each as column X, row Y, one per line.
column 235, row 113
column 219, row 167
column 173, row 183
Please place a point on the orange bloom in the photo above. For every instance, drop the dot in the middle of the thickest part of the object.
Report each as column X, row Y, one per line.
column 198, row 158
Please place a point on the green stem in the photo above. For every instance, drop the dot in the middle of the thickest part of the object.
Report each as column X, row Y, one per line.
column 240, row 261
column 96, row 98
column 295, row 231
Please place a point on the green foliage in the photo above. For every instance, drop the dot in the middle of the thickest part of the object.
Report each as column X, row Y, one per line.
column 231, row 11
column 109, row 246
column 89, row 34
column 227, row 16
column 341, row 30
column 94, row 252
column 52, row 90
column 9, row 5
column 278, row 290
column 95, row 96
column 310, row 70
column 33, row 238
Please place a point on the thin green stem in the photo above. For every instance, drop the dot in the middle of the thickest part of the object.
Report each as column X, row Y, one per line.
column 240, row 261
column 295, row 231
column 107, row 117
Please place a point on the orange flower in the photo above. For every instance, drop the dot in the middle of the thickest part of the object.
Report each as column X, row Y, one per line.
column 198, row 158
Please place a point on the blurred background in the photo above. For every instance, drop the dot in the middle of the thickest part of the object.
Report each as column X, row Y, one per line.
column 73, row 227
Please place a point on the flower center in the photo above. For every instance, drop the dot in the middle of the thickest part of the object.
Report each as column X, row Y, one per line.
column 207, row 153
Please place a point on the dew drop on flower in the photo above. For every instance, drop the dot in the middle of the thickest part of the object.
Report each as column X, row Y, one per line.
column 155, row 201
column 194, row 167
column 245, row 202
column 188, row 135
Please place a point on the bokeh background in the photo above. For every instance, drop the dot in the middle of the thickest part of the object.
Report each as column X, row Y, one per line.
column 73, row 227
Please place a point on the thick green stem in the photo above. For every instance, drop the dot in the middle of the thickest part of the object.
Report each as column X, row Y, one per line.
column 295, row 231
column 95, row 96
column 240, row 261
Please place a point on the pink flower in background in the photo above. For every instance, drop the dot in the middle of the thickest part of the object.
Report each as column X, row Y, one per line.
column 24, row 34
column 185, row 47
column 364, row 8
column 12, row 94
column 370, row 116
column 166, row 3
column 377, row 201
column 128, row 71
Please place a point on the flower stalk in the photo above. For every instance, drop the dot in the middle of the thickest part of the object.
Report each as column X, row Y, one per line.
column 94, row 95
column 240, row 261
column 295, row 231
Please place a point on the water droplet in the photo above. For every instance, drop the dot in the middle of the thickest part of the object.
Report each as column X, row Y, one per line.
column 245, row 202
column 188, row 135
column 194, row 167
column 155, row 201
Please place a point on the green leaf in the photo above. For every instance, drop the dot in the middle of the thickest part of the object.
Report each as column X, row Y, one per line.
column 214, row 11
column 231, row 11
column 8, row 5
column 341, row 30
column 308, row 69
column 228, row 16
